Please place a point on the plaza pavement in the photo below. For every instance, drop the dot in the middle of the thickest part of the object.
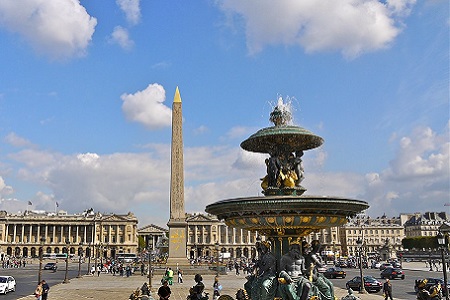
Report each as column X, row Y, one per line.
column 108, row 287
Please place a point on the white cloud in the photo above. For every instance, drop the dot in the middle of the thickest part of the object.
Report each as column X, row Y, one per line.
column 146, row 107
column 418, row 178
column 131, row 9
column 140, row 182
column 5, row 189
column 350, row 26
column 59, row 29
column 120, row 36
column 17, row 141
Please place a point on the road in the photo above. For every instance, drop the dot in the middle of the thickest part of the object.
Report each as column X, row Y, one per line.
column 26, row 278
column 402, row 289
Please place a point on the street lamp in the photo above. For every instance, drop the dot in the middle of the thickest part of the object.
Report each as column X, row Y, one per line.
column 216, row 246
column 80, row 253
column 359, row 242
column 442, row 244
column 66, row 279
column 41, row 254
column 89, row 258
column 150, row 249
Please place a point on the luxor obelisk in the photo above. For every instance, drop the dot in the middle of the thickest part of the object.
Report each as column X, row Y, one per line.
column 177, row 222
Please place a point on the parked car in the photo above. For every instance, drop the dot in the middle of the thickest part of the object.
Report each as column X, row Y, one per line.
column 334, row 272
column 371, row 284
column 392, row 273
column 385, row 265
column 51, row 266
column 7, row 284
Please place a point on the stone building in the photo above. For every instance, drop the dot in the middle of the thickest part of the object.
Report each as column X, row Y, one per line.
column 206, row 232
column 374, row 233
column 107, row 234
column 423, row 224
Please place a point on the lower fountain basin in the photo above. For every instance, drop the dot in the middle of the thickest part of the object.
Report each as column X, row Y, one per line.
column 290, row 215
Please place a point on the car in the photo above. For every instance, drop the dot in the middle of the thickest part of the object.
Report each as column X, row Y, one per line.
column 7, row 284
column 321, row 269
column 385, row 265
column 392, row 273
column 375, row 265
column 51, row 266
column 334, row 272
column 371, row 284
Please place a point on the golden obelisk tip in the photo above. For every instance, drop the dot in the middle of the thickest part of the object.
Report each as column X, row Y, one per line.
column 177, row 97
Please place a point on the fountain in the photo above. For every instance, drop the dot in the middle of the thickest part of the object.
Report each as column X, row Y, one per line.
column 284, row 215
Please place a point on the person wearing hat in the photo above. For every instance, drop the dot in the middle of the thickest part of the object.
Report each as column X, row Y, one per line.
column 387, row 289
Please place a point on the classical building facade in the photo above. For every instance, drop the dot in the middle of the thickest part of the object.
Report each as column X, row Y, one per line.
column 423, row 224
column 88, row 233
column 206, row 234
column 375, row 233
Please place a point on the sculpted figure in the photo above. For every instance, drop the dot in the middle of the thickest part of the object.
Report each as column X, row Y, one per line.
column 322, row 287
column 293, row 284
column 273, row 171
column 263, row 285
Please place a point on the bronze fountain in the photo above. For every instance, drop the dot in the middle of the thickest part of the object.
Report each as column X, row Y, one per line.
column 283, row 214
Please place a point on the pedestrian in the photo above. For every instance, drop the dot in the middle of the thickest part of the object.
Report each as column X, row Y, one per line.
column 98, row 271
column 164, row 291
column 180, row 276
column 45, row 289
column 145, row 290
column 387, row 290
column 38, row 291
column 170, row 276
column 142, row 269
column 216, row 287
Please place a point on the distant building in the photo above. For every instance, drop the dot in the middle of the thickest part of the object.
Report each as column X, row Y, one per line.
column 205, row 230
column 423, row 224
column 374, row 233
column 94, row 234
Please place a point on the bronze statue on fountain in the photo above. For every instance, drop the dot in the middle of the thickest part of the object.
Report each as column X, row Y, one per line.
column 284, row 215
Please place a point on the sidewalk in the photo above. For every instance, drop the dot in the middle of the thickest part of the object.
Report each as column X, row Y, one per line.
column 108, row 287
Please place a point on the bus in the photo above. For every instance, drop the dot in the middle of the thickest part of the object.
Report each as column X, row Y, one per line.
column 127, row 257
column 54, row 255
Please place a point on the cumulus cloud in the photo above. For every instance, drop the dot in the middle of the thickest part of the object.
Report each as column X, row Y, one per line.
column 417, row 179
column 120, row 36
column 350, row 26
column 131, row 9
column 5, row 189
column 147, row 107
column 58, row 29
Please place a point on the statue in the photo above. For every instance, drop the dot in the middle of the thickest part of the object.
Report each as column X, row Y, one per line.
column 293, row 284
column 432, row 293
column 322, row 287
column 263, row 284
column 350, row 296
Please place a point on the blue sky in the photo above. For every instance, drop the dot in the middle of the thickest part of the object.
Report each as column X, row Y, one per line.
column 86, row 90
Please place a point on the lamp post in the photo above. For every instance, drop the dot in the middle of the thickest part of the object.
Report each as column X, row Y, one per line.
column 41, row 254
column 150, row 249
column 359, row 242
column 216, row 246
column 97, row 246
column 66, row 279
column 89, row 259
column 442, row 244
column 80, row 253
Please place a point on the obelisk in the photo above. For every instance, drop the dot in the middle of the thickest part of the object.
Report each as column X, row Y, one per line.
column 177, row 222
